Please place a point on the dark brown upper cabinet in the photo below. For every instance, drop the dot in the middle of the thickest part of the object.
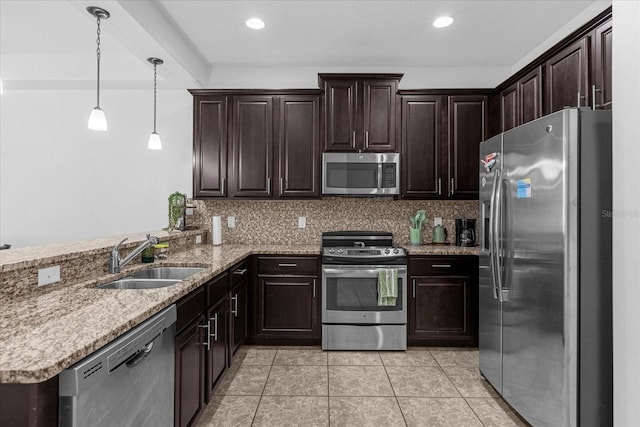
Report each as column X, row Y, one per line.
column 359, row 112
column 421, row 150
column 567, row 77
column 440, row 138
column 299, row 146
column 601, row 88
column 251, row 149
column 467, row 129
column 521, row 102
column 256, row 144
column 209, row 146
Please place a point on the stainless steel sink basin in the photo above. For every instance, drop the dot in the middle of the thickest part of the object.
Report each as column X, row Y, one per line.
column 153, row 278
column 166, row 273
column 128, row 283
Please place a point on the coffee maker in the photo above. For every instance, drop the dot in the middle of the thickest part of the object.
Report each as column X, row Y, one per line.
column 465, row 232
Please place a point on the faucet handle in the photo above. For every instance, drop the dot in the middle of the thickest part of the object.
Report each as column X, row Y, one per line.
column 152, row 239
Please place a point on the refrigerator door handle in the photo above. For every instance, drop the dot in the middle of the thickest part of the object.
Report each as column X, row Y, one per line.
column 497, row 218
column 492, row 233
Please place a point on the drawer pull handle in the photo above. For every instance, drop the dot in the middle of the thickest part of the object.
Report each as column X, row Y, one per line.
column 240, row 272
column 441, row 265
column 287, row 265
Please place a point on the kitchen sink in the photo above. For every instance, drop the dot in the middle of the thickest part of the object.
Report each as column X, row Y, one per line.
column 153, row 278
column 166, row 273
column 128, row 283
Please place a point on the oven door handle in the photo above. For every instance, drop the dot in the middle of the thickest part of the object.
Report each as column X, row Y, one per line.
column 358, row 272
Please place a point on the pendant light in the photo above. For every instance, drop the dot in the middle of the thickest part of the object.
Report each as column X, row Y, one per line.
column 154, row 138
column 97, row 119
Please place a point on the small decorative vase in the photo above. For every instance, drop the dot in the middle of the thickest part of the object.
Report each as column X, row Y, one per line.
column 415, row 236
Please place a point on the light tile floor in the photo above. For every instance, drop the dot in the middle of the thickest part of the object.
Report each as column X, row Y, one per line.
column 305, row 386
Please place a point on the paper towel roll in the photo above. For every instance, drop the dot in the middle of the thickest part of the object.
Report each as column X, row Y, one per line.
column 216, row 230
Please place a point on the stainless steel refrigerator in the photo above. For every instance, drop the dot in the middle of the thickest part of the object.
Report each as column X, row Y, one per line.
column 545, row 327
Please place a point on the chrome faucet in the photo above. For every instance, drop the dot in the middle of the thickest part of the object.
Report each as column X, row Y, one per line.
column 115, row 263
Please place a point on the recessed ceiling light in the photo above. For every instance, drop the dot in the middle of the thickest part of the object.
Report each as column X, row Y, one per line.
column 443, row 21
column 255, row 23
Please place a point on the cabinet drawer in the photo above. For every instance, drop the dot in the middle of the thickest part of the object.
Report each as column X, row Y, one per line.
column 190, row 307
column 462, row 265
column 239, row 271
column 217, row 288
column 288, row 265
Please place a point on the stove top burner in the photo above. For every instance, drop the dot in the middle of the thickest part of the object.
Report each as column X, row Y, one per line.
column 360, row 247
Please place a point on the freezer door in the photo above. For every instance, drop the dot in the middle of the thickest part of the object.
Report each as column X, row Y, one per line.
column 536, row 351
column 490, row 312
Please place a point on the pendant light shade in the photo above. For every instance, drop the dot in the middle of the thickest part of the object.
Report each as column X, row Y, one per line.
column 154, row 138
column 154, row 141
column 97, row 119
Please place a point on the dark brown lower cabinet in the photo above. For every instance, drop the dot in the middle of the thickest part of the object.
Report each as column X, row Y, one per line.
column 288, row 300
column 238, row 315
column 189, row 378
column 217, row 343
column 443, row 300
column 29, row 405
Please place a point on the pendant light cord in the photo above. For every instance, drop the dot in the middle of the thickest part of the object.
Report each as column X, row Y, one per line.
column 98, row 58
column 155, row 75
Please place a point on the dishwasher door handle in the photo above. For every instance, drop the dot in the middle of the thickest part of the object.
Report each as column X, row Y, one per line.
column 137, row 358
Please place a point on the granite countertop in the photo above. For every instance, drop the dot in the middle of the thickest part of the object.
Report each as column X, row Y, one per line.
column 41, row 334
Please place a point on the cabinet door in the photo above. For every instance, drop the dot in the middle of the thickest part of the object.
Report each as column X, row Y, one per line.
column 509, row 107
column 602, row 61
column 441, row 310
column 379, row 116
column 421, row 146
column 530, row 96
column 340, row 115
column 299, row 146
column 251, row 147
column 238, row 315
column 209, row 146
column 467, row 129
column 567, row 77
column 218, row 344
column 189, row 374
column 288, row 306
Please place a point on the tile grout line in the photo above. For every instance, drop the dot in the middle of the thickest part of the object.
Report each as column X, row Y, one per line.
column 395, row 395
column 255, row 414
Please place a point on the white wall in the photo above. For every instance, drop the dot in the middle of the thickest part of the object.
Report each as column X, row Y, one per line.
column 626, row 208
column 60, row 181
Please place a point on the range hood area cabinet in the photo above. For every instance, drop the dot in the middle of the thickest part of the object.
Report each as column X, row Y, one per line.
column 359, row 112
column 257, row 144
column 440, row 139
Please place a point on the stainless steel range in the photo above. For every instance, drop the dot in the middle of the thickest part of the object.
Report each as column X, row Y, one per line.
column 354, row 317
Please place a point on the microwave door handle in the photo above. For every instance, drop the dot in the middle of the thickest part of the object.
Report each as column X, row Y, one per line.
column 379, row 175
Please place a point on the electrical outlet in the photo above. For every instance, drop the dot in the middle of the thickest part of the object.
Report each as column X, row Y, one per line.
column 49, row 275
column 437, row 221
column 188, row 211
column 198, row 239
column 231, row 222
column 302, row 222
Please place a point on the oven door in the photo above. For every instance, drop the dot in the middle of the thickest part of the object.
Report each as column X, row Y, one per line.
column 350, row 295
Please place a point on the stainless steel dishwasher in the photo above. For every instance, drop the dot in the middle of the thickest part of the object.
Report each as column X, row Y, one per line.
column 128, row 382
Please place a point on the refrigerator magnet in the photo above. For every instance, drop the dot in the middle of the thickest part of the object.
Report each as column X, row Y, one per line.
column 523, row 188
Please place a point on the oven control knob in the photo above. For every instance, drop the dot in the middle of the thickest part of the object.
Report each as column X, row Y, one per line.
column 395, row 251
column 331, row 250
column 340, row 251
column 386, row 251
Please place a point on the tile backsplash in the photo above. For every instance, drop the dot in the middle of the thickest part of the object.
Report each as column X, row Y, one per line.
column 276, row 222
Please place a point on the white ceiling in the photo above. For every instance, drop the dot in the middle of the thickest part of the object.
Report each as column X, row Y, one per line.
column 52, row 43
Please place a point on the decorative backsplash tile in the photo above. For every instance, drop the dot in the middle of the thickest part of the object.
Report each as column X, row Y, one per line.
column 276, row 222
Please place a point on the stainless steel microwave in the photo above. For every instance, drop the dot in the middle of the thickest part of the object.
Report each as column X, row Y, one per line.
column 361, row 174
